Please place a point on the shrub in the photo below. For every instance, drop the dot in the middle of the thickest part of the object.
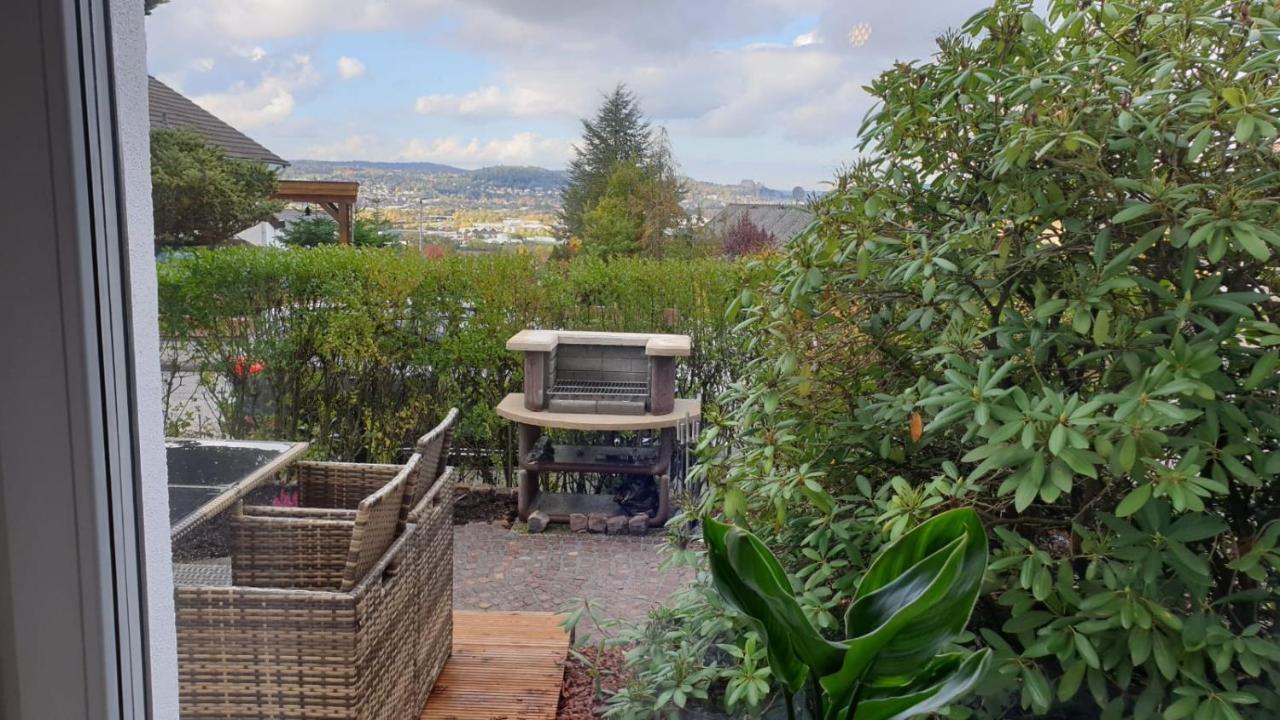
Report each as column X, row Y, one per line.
column 368, row 230
column 201, row 196
column 360, row 351
column 746, row 238
column 1047, row 293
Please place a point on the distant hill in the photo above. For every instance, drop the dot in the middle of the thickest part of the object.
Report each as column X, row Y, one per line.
column 520, row 176
column 401, row 183
column 319, row 167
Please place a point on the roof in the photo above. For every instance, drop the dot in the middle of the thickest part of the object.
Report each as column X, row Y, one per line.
column 782, row 221
column 170, row 109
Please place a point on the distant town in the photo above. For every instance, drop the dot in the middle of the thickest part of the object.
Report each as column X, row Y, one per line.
column 495, row 206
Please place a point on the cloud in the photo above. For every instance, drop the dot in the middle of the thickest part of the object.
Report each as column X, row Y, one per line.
column 755, row 79
column 524, row 148
column 352, row 147
column 350, row 68
column 269, row 100
column 493, row 102
column 809, row 38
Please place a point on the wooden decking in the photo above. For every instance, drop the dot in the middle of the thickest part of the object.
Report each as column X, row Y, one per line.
column 505, row 666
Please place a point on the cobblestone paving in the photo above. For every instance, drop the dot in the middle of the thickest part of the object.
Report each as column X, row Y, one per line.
column 498, row 569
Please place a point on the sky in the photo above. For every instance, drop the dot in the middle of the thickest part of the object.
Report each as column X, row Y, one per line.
column 768, row 90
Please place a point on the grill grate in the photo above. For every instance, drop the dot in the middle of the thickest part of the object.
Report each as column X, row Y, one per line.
column 600, row 388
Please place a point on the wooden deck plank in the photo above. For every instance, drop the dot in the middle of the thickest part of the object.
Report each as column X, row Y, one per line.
column 504, row 666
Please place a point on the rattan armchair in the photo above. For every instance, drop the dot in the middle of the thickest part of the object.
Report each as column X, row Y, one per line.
column 324, row 487
column 341, row 616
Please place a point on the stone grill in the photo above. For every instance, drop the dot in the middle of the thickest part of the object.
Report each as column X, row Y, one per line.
column 598, row 373
column 598, row 383
column 598, row 379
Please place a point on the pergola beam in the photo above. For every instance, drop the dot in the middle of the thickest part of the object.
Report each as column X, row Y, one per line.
column 337, row 198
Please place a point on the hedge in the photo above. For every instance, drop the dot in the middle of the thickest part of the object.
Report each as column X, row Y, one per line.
column 359, row 351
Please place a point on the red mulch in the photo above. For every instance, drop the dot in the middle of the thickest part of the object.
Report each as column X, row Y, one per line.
column 578, row 699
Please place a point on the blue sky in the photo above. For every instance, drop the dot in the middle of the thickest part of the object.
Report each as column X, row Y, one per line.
column 769, row 90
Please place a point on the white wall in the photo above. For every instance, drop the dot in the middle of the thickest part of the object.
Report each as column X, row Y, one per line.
column 263, row 235
column 130, row 62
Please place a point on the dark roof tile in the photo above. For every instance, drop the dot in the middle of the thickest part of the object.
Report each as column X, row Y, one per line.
column 170, row 109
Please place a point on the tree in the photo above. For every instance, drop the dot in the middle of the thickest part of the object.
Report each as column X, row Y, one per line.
column 1048, row 292
column 746, row 238
column 619, row 134
column 202, row 197
column 367, row 231
column 634, row 214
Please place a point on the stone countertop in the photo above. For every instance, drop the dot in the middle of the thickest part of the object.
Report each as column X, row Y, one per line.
column 512, row 408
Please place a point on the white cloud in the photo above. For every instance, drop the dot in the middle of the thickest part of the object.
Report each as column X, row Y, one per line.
column 252, row 54
column 520, row 149
column 493, row 102
column 350, row 68
column 809, row 38
column 271, row 99
column 352, row 147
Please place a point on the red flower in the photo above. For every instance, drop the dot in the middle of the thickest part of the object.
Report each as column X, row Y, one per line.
column 256, row 367
column 237, row 368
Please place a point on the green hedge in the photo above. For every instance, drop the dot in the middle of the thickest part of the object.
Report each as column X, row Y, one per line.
column 361, row 351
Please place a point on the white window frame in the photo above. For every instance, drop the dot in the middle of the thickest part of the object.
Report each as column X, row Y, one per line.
column 86, row 611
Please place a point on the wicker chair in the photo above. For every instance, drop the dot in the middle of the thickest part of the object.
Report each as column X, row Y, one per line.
column 329, row 486
column 327, row 617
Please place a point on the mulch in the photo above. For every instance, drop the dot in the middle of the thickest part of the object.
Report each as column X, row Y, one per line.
column 483, row 503
column 578, row 698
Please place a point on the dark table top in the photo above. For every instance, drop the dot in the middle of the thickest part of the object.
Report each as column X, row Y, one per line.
column 207, row 476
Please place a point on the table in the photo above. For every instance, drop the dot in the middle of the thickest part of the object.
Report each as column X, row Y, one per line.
column 652, row 461
column 207, row 477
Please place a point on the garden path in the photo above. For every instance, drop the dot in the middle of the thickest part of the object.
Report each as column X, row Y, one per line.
column 499, row 569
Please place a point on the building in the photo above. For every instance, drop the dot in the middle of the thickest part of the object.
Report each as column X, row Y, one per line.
column 782, row 221
column 173, row 110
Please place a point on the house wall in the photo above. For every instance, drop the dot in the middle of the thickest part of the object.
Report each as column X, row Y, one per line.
column 263, row 235
column 129, row 51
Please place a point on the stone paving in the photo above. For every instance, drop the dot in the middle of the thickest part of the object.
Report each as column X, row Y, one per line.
column 499, row 569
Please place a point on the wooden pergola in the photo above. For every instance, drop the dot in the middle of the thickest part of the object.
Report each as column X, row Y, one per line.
column 336, row 197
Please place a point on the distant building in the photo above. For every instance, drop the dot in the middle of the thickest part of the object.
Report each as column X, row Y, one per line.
column 172, row 110
column 782, row 221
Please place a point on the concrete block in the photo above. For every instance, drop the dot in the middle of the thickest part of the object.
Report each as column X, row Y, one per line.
column 616, row 525
column 597, row 522
column 538, row 521
column 638, row 524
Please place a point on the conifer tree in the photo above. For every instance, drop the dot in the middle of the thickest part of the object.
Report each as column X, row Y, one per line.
column 618, row 134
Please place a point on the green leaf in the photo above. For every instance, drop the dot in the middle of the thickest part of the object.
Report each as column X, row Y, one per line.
column 1085, row 648
column 1069, row 683
column 945, row 679
column 1102, row 327
column 1198, row 144
column 1134, row 501
column 1263, row 369
column 1037, row 687
column 781, row 626
column 947, row 618
column 1244, row 129
column 1250, row 242
column 1132, row 212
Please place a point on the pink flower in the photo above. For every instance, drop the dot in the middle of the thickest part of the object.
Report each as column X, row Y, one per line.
column 286, row 498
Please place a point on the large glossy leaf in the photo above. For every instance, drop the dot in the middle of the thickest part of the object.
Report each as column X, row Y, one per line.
column 889, row 613
column 944, row 680
column 907, row 652
column 784, row 660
